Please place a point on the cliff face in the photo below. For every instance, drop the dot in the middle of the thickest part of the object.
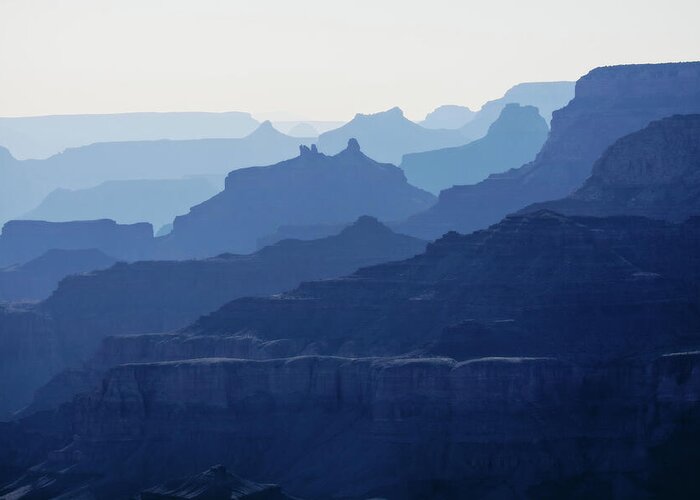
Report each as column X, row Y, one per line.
column 610, row 103
column 22, row 241
column 529, row 274
column 310, row 189
column 654, row 172
column 397, row 428
column 513, row 139
column 160, row 296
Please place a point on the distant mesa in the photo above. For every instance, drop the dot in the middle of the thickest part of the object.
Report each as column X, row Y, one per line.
column 43, row 136
column 303, row 130
column 545, row 96
column 449, row 116
column 513, row 139
column 25, row 240
column 387, row 136
column 311, row 189
column 157, row 201
column 27, row 183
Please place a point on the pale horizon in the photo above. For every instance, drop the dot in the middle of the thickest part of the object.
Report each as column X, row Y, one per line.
column 311, row 59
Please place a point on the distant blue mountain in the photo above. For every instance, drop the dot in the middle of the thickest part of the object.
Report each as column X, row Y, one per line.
column 29, row 181
column 513, row 139
column 157, row 201
column 43, row 136
column 387, row 136
column 545, row 96
column 448, row 116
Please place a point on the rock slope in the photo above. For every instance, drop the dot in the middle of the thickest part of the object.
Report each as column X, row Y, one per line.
column 610, row 103
column 529, row 274
column 654, row 172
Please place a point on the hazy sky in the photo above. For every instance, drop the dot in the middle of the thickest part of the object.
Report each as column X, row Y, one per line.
column 321, row 59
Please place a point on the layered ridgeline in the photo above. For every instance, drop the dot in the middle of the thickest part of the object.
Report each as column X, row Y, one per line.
column 43, row 136
column 24, row 240
column 610, row 102
column 654, row 172
column 628, row 282
column 159, row 296
column 547, row 97
column 513, row 139
column 157, row 201
column 36, row 279
column 448, row 116
column 387, row 136
column 585, row 308
column 310, row 189
column 88, row 166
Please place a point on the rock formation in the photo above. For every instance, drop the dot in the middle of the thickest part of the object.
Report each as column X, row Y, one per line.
column 654, row 172
column 22, row 241
column 610, row 103
column 513, row 139
column 387, row 136
column 310, row 189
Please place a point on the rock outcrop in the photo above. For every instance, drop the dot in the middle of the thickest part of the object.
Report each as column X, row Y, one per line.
column 22, row 241
column 310, row 189
column 654, row 172
column 610, row 103
column 513, row 139
column 387, row 136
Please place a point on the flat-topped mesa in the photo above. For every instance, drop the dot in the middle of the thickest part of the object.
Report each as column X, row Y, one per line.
column 24, row 240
